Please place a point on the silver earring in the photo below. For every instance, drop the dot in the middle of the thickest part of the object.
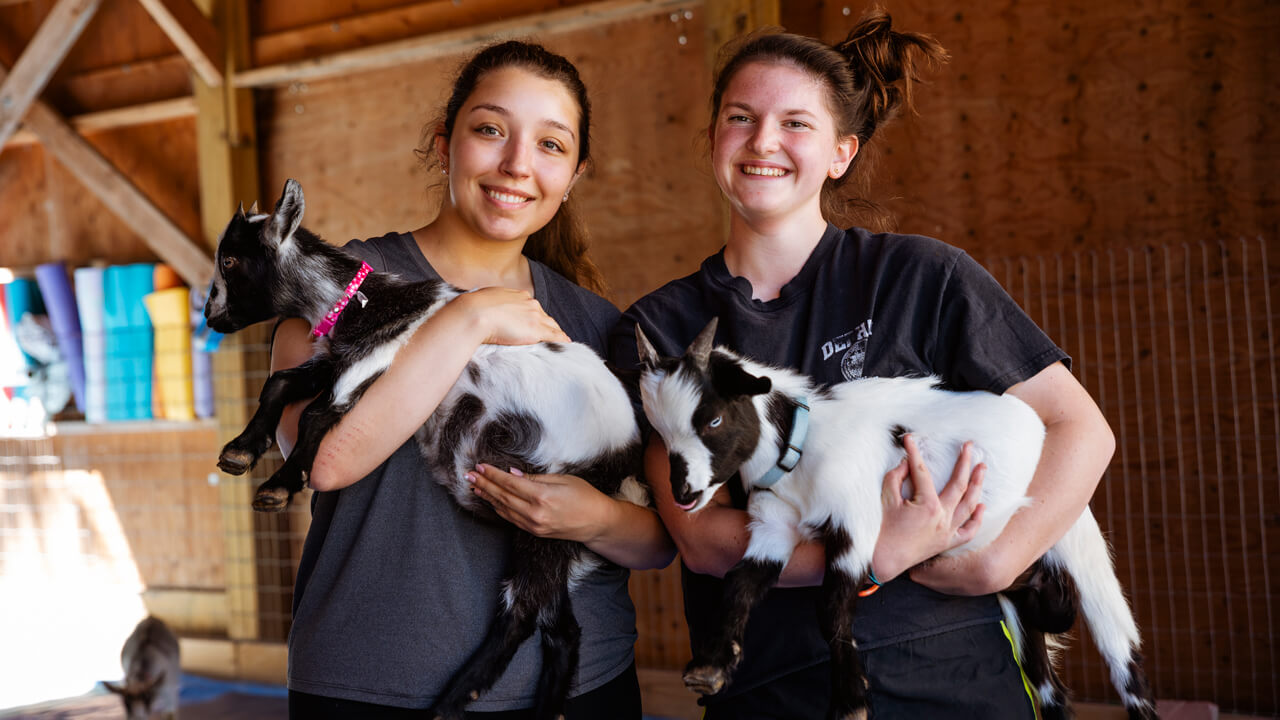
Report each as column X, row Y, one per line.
column 566, row 197
column 444, row 171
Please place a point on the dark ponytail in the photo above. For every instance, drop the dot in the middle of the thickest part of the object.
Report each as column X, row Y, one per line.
column 562, row 243
column 868, row 77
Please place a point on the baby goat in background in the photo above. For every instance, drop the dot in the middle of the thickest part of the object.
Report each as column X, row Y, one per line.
column 152, row 672
column 545, row 408
column 823, row 452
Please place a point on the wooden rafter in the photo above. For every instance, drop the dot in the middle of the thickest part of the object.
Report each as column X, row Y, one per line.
column 451, row 42
column 42, row 56
column 153, row 112
column 193, row 34
column 120, row 195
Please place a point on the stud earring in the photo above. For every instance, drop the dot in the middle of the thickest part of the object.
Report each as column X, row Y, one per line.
column 566, row 197
column 444, row 170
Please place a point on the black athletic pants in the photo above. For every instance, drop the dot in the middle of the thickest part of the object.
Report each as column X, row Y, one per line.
column 965, row 674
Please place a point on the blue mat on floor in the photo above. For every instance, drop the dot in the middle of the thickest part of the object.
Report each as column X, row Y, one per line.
column 197, row 689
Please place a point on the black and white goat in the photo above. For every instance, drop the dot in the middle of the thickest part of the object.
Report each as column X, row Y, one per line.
column 546, row 408
column 721, row 414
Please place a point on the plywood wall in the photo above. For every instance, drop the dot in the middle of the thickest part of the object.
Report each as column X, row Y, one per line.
column 648, row 201
column 1069, row 125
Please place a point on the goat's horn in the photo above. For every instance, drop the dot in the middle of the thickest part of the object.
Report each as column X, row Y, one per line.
column 644, row 348
column 253, row 209
column 700, row 348
column 240, row 209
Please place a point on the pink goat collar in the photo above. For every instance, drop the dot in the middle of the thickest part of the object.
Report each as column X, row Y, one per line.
column 324, row 326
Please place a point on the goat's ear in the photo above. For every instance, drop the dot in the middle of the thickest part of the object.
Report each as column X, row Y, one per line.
column 730, row 380
column 644, row 348
column 700, row 348
column 288, row 213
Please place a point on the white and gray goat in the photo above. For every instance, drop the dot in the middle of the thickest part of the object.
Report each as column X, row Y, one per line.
column 152, row 672
column 721, row 414
column 544, row 408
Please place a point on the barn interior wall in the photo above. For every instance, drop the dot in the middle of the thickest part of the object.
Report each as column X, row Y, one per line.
column 1057, row 130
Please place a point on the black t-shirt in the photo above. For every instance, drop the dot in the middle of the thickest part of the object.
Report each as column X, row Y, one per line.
column 874, row 305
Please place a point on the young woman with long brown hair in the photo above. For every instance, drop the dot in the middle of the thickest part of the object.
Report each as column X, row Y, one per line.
column 397, row 585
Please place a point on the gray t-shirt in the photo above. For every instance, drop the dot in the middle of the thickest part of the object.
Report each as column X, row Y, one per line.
column 397, row 585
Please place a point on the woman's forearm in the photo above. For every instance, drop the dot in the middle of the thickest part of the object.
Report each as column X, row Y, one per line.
column 1077, row 449
column 400, row 400
column 633, row 537
column 714, row 540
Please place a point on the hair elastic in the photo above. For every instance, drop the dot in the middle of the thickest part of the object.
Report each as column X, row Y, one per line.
column 873, row 584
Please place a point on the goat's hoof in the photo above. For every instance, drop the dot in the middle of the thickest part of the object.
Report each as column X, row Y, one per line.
column 271, row 500
column 1143, row 711
column 705, row 679
column 234, row 461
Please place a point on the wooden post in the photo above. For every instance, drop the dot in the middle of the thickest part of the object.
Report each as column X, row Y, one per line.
column 227, row 154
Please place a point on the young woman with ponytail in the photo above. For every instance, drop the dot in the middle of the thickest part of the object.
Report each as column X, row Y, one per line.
column 397, row 585
column 793, row 120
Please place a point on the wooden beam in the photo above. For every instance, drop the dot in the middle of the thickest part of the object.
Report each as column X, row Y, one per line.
column 227, row 155
column 452, row 42
column 40, row 59
column 143, row 114
column 120, row 195
column 193, row 34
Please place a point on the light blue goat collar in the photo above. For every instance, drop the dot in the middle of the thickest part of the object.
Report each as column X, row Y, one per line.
column 795, row 445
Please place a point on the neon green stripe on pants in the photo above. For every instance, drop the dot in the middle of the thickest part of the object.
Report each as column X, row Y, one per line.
column 1026, row 684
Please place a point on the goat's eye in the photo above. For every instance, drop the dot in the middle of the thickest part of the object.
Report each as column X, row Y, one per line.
column 228, row 262
column 716, row 422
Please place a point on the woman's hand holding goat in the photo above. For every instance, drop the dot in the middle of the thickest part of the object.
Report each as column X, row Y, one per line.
column 566, row 507
column 510, row 317
column 928, row 522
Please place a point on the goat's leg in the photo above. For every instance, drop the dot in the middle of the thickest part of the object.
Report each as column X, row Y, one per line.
column 274, row 494
column 561, row 635
column 1084, row 555
column 774, row 536
column 530, row 598
column 1043, row 601
column 282, row 388
column 845, row 574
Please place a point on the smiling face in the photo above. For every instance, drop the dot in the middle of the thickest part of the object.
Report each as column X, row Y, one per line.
column 774, row 142
column 513, row 154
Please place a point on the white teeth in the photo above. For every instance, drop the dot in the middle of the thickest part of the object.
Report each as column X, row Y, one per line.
column 506, row 197
column 767, row 172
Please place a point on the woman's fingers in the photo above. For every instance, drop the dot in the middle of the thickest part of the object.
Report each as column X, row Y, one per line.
column 892, row 487
column 958, row 485
column 499, row 488
column 922, row 490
